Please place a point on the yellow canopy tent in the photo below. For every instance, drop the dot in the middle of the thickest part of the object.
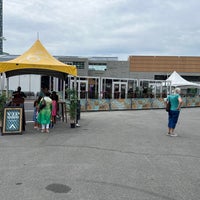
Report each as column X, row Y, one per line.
column 37, row 60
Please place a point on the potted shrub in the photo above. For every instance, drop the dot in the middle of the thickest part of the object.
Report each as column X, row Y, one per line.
column 2, row 104
column 72, row 106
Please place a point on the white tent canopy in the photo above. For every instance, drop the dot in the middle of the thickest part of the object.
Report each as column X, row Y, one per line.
column 177, row 81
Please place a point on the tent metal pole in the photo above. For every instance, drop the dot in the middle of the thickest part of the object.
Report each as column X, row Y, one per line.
column 75, row 87
column 1, row 83
column 50, row 83
column 63, row 90
column 7, row 79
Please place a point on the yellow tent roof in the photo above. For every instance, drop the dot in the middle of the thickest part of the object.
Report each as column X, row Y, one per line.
column 36, row 60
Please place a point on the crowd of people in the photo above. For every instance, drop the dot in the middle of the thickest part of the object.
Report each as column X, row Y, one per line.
column 46, row 109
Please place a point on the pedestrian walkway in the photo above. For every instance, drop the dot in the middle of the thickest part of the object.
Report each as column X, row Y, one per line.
column 119, row 155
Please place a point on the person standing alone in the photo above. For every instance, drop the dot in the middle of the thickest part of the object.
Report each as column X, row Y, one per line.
column 173, row 114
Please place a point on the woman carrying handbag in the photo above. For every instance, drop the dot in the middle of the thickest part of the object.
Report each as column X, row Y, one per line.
column 174, row 111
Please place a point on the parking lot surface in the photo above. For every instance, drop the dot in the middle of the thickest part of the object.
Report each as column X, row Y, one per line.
column 119, row 155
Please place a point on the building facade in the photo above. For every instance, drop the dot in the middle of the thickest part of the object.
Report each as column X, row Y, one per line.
column 137, row 67
column 105, row 83
column 160, row 67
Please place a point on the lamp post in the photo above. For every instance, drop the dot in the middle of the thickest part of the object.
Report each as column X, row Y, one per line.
column 1, row 44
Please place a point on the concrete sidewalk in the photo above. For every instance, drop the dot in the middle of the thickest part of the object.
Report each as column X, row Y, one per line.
column 119, row 155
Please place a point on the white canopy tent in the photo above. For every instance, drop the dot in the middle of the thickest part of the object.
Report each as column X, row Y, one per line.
column 177, row 81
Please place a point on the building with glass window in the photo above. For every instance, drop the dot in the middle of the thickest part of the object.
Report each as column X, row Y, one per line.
column 110, row 78
column 137, row 67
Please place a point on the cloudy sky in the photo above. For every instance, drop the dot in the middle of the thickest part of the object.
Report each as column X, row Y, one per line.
column 103, row 27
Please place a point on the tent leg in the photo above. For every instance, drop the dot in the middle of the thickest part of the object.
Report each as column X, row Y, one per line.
column 64, row 90
column 1, row 83
column 7, row 79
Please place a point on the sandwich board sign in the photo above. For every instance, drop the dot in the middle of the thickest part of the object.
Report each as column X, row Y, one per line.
column 12, row 120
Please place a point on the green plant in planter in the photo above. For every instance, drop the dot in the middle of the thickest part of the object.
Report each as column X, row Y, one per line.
column 2, row 104
column 72, row 105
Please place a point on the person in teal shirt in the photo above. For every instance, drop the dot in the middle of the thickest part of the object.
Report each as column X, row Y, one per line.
column 173, row 115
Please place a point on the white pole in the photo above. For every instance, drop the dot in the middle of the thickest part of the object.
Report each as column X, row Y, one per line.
column 29, row 82
column 19, row 81
column 74, row 86
column 7, row 87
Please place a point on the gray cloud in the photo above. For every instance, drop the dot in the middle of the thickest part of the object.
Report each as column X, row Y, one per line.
column 103, row 28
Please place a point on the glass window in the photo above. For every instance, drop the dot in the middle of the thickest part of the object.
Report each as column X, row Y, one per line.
column 79, row 65
column 97, row 66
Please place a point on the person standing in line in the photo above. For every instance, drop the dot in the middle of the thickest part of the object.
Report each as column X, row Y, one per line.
column 54, row 112
column 44, row 116
column 18, row 100
column 54, row 98
column 35, row 113
column 18, row 93
column 173, row 115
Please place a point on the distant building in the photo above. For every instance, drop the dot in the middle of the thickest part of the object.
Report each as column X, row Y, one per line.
column 136, row 67
column 160, row 67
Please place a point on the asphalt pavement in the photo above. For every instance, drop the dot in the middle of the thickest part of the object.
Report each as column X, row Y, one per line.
column 118, row 155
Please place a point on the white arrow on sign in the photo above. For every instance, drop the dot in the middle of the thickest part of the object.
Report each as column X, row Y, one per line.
column 12, row 126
